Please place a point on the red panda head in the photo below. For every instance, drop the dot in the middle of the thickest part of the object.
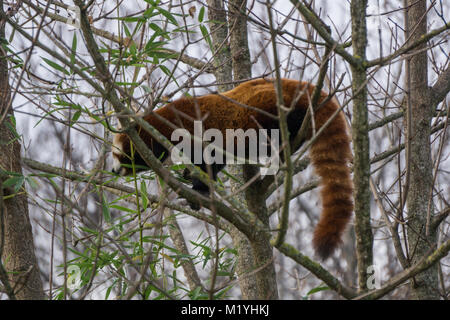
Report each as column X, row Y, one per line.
column 121, row 153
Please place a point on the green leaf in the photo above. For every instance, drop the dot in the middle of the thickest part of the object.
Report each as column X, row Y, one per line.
column 222, row 294
column 146, row 88
column 105, row 209
column 127, row 31
column 144, row 195
column 201, row 14
column 17, row 182
column 47, row 114
column 168, row 15
column 194, row 294
column 75, row 117
column 12, row 119
column 153, row 45
column 165, row 70
column 205, row 34
column 149, row 12
column 11, row 125
column 115, row 206
column 74, row 49
column 132, row 19
column 229, row 175
column 56, row 66
column 159, row 31
column 317, row 289
column 32, row 182
column 88, row 230
column 108, row 291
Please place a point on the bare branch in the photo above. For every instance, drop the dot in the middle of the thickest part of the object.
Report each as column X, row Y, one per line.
column 409, row 273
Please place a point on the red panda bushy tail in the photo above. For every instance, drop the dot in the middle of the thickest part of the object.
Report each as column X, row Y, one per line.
column 330, row 155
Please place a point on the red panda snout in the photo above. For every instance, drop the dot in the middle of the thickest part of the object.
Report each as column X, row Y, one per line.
column 117, row 166
column 118, row 155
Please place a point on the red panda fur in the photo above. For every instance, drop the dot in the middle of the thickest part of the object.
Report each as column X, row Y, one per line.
column 330, row 153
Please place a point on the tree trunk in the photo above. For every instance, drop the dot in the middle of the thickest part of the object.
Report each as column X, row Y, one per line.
column 16, row 238
column 360, row 132
column 420, row 242
column 248, row 282
column 264, row 280
column 235, row 58
column 219, row 36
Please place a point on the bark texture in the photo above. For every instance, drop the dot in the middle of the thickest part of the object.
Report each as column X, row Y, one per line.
column 218, row 26
column 425, row 284
column 16, row 237
column 360, row 132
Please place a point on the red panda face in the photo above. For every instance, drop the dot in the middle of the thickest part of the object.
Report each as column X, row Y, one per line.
column 120, row 155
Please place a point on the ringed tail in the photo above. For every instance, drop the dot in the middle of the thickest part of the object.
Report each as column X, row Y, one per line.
column 330, row 155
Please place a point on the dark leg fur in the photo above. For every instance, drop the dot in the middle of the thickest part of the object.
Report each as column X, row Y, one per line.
column 199, row 186
column 294, row 122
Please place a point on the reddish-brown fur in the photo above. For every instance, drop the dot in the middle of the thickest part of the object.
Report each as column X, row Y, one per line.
column 330, row 153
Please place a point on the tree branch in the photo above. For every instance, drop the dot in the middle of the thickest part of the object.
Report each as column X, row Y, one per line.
column 441, row 88
column 317, row 270
column 421, row 266
column 319, row 26
column 406, row 48
column 191, row 61
column 119, row 188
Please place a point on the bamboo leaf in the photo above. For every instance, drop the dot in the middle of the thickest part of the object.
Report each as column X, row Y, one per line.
column 201, row 14
column 56, row 66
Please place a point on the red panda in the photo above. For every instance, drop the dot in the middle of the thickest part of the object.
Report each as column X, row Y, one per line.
column 250, row 106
